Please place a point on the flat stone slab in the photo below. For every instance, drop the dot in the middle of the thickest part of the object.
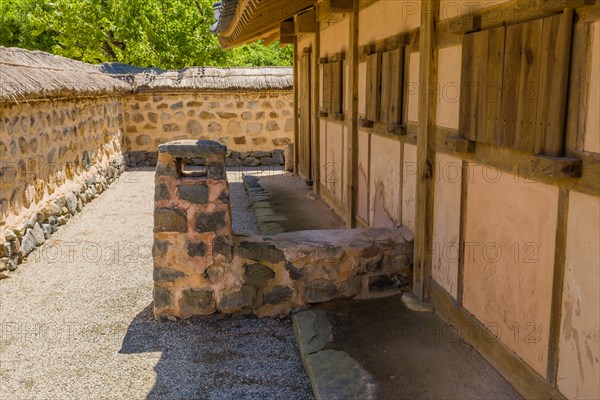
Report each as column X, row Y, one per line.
column 333, row 374
column 413, row 303
column 312, row 330
column 192, row 148
column 261, row 204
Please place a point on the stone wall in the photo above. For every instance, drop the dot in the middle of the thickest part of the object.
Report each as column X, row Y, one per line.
column 55, row 156
column 200, row 267
column 255, row 125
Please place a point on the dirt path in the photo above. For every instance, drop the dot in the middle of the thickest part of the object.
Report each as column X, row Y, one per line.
column 75, row 320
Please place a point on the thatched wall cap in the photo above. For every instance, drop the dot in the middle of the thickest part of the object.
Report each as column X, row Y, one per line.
column 203, row 78
column 26, row 75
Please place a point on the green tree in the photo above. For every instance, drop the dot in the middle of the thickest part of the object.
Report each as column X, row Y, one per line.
column 147, row 33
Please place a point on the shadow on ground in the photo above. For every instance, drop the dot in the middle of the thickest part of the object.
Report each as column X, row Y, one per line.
column 220, row 357
column 412, row 355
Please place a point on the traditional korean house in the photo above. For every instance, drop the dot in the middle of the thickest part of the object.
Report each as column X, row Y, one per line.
column 476, row 125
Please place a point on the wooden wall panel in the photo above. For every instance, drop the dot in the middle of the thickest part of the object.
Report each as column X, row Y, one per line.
column 481, row 84
column 467, row 89
column 591, row 140
column 373, row 97
column 327, row 82
column 392, row 67
column 555, row 48
column 514, row 85
column 336, row 87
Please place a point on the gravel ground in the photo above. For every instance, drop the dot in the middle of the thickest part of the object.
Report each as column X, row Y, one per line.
column 76, row 320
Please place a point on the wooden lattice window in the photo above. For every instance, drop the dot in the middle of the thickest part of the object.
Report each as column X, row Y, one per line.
column 514, row 85
column 333, row 89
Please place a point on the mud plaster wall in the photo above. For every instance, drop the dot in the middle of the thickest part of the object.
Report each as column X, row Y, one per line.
column 446, row 213
column 335, row 144
column 362, row 191
column 49, row 147
column 509, row 259
column 243, row 121
column 385, row 181
column 579, row 367
column 455, row 8
column 446, row 222
column 409, row 185
column 387, row 18
column 592, row 123
column 334, row 37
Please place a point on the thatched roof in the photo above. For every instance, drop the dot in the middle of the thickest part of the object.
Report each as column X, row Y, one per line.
column 27, row 75
column 203, row 78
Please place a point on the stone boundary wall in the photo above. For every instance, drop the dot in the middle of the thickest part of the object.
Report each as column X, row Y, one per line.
column 256, row 125
column 55, row 156
column 201, row 267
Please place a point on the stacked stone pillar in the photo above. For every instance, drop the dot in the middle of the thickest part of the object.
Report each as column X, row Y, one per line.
column 200, row 267
column 193, row 239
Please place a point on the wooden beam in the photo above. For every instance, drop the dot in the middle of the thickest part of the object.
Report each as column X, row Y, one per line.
column 286, row 39
column 425, row 148
column 363, row 122
column 296, row 98
column 340, row 6
column 351, row 119
column 287, row 27
column 464, row 24
column 553, row 5
column 531, row 167
column 460, row 273
column 560, row 167
column 271, row 38
column 306, row 22
column 459, row 144
column 316, row 125
column 558, row 279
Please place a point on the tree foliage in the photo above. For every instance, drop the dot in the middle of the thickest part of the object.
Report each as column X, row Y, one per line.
column 148, row 33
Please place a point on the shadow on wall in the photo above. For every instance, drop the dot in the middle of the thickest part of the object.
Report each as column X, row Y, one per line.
column 219, row 357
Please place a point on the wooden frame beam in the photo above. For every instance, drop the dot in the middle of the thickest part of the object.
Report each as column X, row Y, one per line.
column 287, row 27
column 352, row 117
column 426, row 138
column 306, row 22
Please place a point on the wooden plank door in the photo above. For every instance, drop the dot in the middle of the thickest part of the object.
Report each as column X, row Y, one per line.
column 304, row 119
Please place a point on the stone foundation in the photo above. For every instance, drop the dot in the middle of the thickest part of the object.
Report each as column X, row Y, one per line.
column 55, row 156
column 200, row 267
column 233, row 158
column 20, row 240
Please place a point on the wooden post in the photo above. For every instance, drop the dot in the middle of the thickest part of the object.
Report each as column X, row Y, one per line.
column 352, row 148
column 316, row 124
column 425, row 148
column 557, row 286
column 296, row 127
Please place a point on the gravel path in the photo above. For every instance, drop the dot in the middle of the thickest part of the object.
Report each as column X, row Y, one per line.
column 76, row 319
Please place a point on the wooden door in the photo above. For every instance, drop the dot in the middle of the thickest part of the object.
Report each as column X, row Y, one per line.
column 304, row 119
